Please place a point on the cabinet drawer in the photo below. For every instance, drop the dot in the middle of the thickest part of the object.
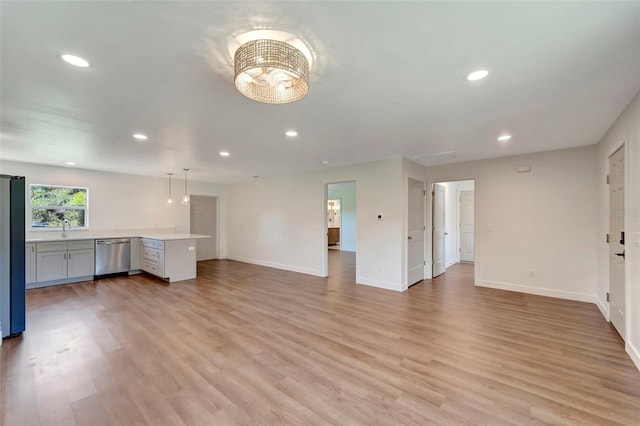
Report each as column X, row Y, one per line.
column 150, row 243
column 52, row 246
column 153, row 267
column 161, row 245
column 150, row 254
column 81, row 245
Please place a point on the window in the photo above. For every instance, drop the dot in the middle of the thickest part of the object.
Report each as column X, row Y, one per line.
column 51, row 204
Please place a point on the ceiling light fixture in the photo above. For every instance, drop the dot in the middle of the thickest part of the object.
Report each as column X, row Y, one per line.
column 74, row 60
column 477, row 75
column 504, row 138
column 185, row 199
column 140, row 136
column 271, row 71
column 291, row 133
column 70, row 163
column 169, row 200
column 224, row 153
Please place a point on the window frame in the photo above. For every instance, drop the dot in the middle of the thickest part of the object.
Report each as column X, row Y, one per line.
column 85, row 208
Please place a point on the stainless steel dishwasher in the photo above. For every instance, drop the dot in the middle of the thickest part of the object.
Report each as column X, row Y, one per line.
column 113, row 256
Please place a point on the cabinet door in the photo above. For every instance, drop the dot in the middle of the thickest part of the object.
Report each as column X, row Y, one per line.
column 30, row 263
column 80, row 263
column 136, row 243
column 51, row 266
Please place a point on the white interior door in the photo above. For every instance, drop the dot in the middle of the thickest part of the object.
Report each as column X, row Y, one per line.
column 439, row 261
column 204, row 211
column 415, row 244
column 467, row 227
column 616, row 241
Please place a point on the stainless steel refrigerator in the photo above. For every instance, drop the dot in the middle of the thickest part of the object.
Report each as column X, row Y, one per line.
column 12, row 255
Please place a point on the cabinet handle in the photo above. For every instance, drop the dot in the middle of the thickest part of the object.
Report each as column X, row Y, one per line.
column 64, row 256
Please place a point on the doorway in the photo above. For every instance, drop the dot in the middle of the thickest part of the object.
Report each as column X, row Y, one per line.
column 340, row 222
column 204, row 220
column 617, row 298
column 453, row 225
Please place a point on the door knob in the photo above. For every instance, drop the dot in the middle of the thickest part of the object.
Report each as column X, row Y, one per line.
column 620, row 254
column 410, row 237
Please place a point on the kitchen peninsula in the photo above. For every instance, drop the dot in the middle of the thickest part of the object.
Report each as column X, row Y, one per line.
column 53, row 260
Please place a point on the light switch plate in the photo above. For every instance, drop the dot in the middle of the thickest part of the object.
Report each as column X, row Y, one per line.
column 192, row 248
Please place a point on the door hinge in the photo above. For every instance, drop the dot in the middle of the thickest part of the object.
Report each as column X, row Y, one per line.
column 607, row 238
column 607, row 297
column 607, row 179
column 424, row 192
column 424, row 228
column 424, row 262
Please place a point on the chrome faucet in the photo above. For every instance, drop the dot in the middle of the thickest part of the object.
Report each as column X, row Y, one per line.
column 65, row 227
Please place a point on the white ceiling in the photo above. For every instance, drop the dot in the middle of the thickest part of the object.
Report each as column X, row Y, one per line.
column 387, row 81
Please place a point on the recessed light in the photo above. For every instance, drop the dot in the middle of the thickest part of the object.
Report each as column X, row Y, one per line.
column 140, row 136
column 504, row 138
column 325, row 162
column 74, row 60
column 291, row 133
column 224, row 153
column 70, row 163
column 477, row 75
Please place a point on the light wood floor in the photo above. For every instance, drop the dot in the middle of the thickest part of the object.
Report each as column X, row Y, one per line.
column 245, row 344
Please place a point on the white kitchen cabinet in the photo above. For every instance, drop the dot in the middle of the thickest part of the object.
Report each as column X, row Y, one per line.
column 136, row 243
column 60, row 262
column 152, row 254
column 80, row 263
column 30, row 263
column 174, row 260
column 51, row 266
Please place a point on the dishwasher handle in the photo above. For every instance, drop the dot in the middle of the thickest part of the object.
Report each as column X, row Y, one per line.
column 109, row 242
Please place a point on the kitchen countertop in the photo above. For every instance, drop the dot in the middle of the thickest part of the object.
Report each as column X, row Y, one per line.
column 70, row 237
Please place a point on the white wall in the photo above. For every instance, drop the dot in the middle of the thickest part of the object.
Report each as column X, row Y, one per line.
column 543, row 220
column 625, row 130
column 279, row 221
column 346, row 192
column 452, row 218
column 122, row 201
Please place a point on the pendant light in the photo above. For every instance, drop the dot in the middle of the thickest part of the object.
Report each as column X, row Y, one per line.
column 185, row 200
column 170, row 200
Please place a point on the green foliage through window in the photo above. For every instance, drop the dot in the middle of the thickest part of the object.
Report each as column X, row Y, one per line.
column 50, row 205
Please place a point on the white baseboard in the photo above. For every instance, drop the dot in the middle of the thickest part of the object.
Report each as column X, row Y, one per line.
column 308, row 271
column 451, row 263
column 634, row 354
column 604, row 308
column 549, row 292
column 387, row 285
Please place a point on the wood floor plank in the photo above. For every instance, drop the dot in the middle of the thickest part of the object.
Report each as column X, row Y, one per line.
column 244, row 344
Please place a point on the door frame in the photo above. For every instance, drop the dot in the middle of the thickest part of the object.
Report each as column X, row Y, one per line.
column 429, row 226
column 627, row 267
column 325, row 225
